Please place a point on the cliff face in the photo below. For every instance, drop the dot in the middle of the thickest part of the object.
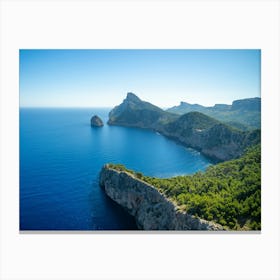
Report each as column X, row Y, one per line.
column 248, row 104
column 211, row 137
column 151, row 209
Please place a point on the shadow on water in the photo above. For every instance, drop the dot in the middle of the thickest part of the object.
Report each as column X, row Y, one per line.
column 114, row 216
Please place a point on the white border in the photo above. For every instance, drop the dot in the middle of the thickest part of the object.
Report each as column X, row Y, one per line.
column 146, row 24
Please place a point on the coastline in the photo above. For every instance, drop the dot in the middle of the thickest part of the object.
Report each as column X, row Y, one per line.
column 151, row 209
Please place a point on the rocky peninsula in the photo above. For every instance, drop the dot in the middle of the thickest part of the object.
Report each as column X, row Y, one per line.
column 227, row 196
column 150, row 208
column 209, row 136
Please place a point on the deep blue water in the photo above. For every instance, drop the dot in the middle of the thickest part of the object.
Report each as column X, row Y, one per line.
column 60, row 159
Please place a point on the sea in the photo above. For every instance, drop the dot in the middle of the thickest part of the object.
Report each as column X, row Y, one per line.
column 61, row 156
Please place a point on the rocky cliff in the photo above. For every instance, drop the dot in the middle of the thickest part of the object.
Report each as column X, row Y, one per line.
column 151, row 209
column 211, row 137
column 137, row 113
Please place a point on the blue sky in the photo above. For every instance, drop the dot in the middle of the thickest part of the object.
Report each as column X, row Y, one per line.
column 101, row 78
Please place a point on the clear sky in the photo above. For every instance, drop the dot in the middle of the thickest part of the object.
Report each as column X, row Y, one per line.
column 101, row 78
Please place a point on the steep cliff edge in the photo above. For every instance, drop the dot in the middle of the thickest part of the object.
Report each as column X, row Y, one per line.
column 151, row 209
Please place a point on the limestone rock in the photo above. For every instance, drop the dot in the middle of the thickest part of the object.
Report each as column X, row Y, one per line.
column 133, row 112
column 151, row 209
column 96, row 121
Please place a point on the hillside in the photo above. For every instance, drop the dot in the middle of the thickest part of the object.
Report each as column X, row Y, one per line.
column 211, row 137
column 244, row 114
column 137, row 113
column 227, row 193
column 199, row 131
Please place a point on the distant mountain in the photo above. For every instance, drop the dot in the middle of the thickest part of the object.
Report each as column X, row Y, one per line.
column 244, row 114
column 137, row 113
column 248, row 104
column 185, row 107
column 197, row 130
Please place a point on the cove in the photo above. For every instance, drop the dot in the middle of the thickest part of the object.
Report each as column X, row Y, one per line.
column 61, row 156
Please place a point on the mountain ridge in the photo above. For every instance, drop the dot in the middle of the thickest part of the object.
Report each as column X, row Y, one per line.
column 243, row 114
column 133, row 112
column 211, row 137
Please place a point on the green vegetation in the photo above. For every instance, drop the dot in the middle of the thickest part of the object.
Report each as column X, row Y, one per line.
column 120, row 167
column 228, row 193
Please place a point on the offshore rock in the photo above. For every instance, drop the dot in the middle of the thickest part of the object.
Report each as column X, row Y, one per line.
column 151, row 209
column 96, row 121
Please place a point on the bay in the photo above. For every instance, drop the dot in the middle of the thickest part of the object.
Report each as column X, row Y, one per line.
column 61, row 156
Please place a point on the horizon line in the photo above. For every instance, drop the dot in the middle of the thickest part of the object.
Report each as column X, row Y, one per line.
column 110, row 107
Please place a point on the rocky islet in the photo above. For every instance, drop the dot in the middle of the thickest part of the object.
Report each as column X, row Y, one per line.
column 96, row 121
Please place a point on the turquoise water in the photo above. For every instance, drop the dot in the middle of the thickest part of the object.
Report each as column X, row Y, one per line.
column 60, row 159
